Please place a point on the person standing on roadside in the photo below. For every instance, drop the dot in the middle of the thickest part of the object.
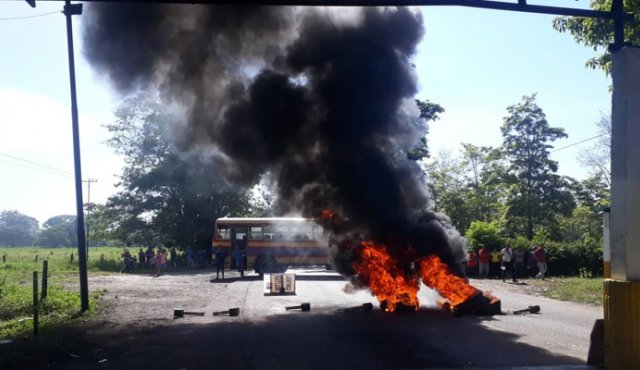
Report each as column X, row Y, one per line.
column 540, row 257
column 161, row 260
column 174, row 257
column 151, row 259
column 496, row 258
column 220, row 257
column 484, row 258
column 142, row 257
column 472, row 263
column 507, row 263
column 188, row 256
column 237, row 257
column 518, row 263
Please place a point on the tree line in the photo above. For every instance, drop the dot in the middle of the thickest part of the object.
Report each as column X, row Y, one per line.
column 511, row 194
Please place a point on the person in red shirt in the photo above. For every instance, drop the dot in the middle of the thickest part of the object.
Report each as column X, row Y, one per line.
column 484, row 258
column 472, row 263
column 541, row 259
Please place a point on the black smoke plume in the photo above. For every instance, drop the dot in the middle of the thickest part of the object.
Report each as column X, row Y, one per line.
column 320, row 98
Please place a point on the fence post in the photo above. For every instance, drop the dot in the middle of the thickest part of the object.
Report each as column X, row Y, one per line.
column 45, row 273
column 35, row 303
column 4, row 258
column 71, row 259
column 35, row 259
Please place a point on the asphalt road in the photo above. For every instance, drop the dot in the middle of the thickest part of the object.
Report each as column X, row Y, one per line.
column 138, row 332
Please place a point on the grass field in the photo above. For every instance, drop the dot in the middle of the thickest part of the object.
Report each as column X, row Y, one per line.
column 63, row 301
column 571, row 289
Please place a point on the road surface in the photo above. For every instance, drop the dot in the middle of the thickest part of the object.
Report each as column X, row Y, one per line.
column 137, row 330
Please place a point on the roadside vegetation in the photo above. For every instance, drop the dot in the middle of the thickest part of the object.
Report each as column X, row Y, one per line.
column 574, row 289
column 62, row 303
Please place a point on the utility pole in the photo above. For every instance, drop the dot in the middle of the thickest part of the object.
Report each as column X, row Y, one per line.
column 69, row 10
column 89, row 181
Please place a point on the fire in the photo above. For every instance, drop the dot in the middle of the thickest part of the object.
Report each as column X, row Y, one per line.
column 327, row 214
column 436, row 275
column 392, row 271
column 385, row 278
column 395, row 285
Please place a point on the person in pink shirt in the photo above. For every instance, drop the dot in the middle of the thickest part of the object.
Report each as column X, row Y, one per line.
column 161, row 260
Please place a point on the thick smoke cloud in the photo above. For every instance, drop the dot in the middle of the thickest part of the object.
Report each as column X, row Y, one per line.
column 321, row 98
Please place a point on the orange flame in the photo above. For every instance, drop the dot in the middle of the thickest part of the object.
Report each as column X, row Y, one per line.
column 436, row 275
column 327, row 214
column 385, row 278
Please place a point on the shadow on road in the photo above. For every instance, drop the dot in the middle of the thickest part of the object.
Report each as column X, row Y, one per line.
column 331, row 339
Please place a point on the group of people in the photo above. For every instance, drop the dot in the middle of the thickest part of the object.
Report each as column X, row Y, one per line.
column 238, row 260
column 508, row 262
column 159, row 259
column 156, row 259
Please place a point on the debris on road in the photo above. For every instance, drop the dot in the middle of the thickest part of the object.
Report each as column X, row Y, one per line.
column 530, row 309
column 231, row 312
column 304, row 307
column 179, row 312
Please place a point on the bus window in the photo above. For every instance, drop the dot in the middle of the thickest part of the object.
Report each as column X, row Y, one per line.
column 224, row 233
column 302, row 232
column 282, row 233
column 269, row 232
column 240, row 232
column 256, row 233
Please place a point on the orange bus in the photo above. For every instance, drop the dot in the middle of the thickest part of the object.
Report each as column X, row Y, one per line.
column 274, row 243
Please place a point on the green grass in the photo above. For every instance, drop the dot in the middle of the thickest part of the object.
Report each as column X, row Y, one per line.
column 572, row 289
column 62, row 304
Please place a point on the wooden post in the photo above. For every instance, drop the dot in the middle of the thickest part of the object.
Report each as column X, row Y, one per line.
column 35, row 303
column 45, row 273
column 35, row 259
column 101, row 257
column 4, row 258
column 71, row 259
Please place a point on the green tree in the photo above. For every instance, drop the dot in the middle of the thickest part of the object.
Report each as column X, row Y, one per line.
column 428, row 112
column 447, row 187
column 597, row 157
column 583, row 223
column 598, row 33
column 17, row 229
column 536, row 194
column 167, row 196
column 101, row 223
column 58, row 231
column 484, row 171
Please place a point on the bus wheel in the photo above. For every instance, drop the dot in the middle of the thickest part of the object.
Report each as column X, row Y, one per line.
column 266, row 265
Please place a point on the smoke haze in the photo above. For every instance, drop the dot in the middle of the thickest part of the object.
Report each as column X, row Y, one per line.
column 320, row 98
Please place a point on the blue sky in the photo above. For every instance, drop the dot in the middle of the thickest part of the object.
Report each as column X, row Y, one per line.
column 474, row 62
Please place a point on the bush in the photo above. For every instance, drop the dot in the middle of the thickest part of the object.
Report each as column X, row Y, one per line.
column 583, row 258
column 486, row 233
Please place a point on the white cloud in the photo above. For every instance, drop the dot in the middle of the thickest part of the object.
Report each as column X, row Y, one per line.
column 37, row 129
